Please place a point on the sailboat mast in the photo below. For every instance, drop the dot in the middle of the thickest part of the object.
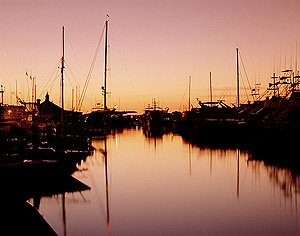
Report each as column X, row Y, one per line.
column 62, row 75
column 210, row 88
column 35, row 93
column 32, row 93
column 238, row 77
column 17, row 100
column 190, row 93
column 105, row 65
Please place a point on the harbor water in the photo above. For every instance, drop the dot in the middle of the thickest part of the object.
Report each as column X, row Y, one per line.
column 168, row 186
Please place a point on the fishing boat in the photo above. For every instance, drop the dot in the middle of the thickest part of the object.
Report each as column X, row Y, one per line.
column 156, row 119
column 211, row 121
column 274, row 119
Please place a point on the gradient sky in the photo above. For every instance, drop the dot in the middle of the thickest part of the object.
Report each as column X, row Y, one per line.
column 154, row 46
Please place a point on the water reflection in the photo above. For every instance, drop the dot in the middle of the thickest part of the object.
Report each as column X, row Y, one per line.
column 153, row 133
column 106, row 183
column 283, row 168
column 238, row 174
column 142, row 185
column 281, row 162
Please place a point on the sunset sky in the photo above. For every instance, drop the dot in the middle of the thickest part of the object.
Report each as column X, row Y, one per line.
column 154, row 46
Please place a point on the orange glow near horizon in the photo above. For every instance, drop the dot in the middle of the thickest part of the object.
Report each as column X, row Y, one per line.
column 153, row 48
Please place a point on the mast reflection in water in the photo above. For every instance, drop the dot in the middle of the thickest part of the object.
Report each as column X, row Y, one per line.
column 143, row 185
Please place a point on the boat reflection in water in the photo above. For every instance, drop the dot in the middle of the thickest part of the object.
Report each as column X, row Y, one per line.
column 156, row 120
column 169, row 186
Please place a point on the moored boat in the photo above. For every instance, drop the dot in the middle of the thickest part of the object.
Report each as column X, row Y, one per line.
column 156, row 119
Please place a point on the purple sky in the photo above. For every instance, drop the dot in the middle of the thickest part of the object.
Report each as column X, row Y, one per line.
column 154, row 47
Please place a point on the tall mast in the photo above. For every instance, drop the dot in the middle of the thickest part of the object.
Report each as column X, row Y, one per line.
column 62, row 75
column 32, row 93
column 238, row 77
column 17, row 93
column 105, row 65
column 190, row 93
column 210, row 89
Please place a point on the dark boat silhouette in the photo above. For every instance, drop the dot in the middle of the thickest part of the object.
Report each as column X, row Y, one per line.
column 156, row 119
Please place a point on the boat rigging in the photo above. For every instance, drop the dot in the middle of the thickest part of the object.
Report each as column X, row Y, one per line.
column 80, row 101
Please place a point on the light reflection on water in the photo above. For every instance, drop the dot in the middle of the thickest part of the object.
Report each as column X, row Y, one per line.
column 165, row 186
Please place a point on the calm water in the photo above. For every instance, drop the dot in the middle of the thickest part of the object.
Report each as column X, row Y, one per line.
column 165, row 186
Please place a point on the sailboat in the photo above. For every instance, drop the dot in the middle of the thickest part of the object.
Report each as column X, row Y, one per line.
column 53, row 115
column 98, row 122
column 57, row 133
